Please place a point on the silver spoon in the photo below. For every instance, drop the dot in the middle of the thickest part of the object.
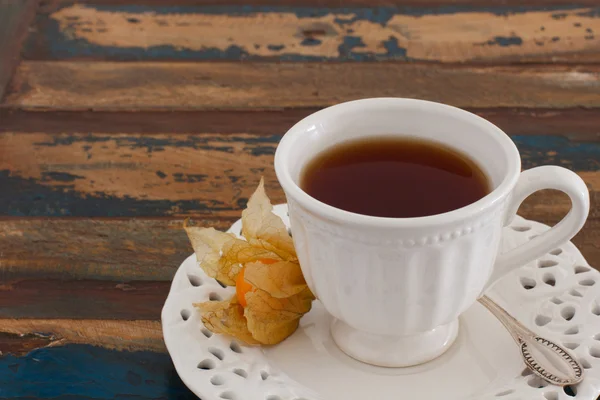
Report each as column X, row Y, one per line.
column 546, row 359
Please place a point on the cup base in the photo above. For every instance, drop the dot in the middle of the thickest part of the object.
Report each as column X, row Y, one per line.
column 394, row 351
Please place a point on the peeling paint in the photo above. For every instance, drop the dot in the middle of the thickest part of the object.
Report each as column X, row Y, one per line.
column 235, row 33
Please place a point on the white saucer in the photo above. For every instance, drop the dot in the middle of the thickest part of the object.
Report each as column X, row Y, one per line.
column 557, row 296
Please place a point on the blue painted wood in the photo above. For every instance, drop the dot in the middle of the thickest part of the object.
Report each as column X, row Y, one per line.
column 48, row 41
column 53, row 194
column 83, row 371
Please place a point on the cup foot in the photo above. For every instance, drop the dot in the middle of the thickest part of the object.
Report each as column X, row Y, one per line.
column 394, row 351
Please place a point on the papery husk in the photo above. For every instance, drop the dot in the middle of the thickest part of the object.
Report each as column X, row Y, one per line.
column 262, row 228
column 226, row 317
column 279, row 295
column 271, row 320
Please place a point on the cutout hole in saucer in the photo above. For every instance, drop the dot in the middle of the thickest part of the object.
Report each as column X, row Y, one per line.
column 596, row 309
column 568, row 313
column 185, row 314
column 235, row 347
column 597, row 336
column 551, row 396
column 220, row 354
column 264, row 375
column 194, row 280
column 570, row 391
column 556, row 252
column 520, row 228
column 547, row 263
column 273, row 397
column 574, row 330
column 571, row 346
column 556, row 301
column 229, row 395
column 214, row 297
column 575, row 293
column 549, row 279
column 537, row 382
column 206, row 332
column 217, row 380
column 207, row 364
column 527, row 283
column 580, row 269
column 595, row 352
column 240, row 372
column 505, row 393
column 587, row 282
column 221, row 284
column 541, row 320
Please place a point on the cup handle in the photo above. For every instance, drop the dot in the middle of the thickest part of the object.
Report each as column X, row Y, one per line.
column 530, row 181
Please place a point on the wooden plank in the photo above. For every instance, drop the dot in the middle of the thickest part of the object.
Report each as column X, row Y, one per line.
column 186, row 86
column 78, row 299
column 126, row 32
column 20, row 336
column 15, row 16
column 576, row 124
column 111, row 250
column 46, row 281
column 208, row 175
column 78, row 371
column 445, row 4
column 64, row 286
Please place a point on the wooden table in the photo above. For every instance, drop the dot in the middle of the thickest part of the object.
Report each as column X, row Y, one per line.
column 119, row 118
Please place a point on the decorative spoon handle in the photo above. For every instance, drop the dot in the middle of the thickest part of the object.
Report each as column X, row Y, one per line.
column 545, row 358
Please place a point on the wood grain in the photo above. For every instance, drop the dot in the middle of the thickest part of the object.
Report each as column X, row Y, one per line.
column 82, row 299
column 185, row 86
column 15, row 16
column 576, row 124
column 111, row 250
column 20, row 336
column 504, row 34
column 449, row 4
column 62, row 284
column 207, row 175
column 77, row 371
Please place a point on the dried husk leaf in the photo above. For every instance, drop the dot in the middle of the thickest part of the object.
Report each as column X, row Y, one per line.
column 280, row 279
column 279, row 295
column 262, row 228
column 207, row 244
column 226, row 317
column 271, row 320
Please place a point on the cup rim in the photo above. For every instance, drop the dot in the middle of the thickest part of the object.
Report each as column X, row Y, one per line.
column 333, row 213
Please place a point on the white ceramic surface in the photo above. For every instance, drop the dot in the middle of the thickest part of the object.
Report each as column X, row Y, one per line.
column 424, row 271
column 557, row 296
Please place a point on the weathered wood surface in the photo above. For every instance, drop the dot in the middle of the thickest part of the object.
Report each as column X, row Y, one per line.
column 577, row 124
column 120, row 268
column 209, row 175
column 452, row 34
column 158, row 85
column 14, row 20
column 101, row 160
column 19, row 336
column 78, row 371
column 127, row 281
column 449, row 5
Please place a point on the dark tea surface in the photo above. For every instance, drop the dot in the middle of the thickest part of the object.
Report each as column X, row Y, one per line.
column 394, row 177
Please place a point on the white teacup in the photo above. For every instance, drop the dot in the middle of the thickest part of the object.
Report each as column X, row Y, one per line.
column 396, row 286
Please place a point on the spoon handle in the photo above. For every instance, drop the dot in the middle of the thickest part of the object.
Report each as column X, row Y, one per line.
column 546, row 359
